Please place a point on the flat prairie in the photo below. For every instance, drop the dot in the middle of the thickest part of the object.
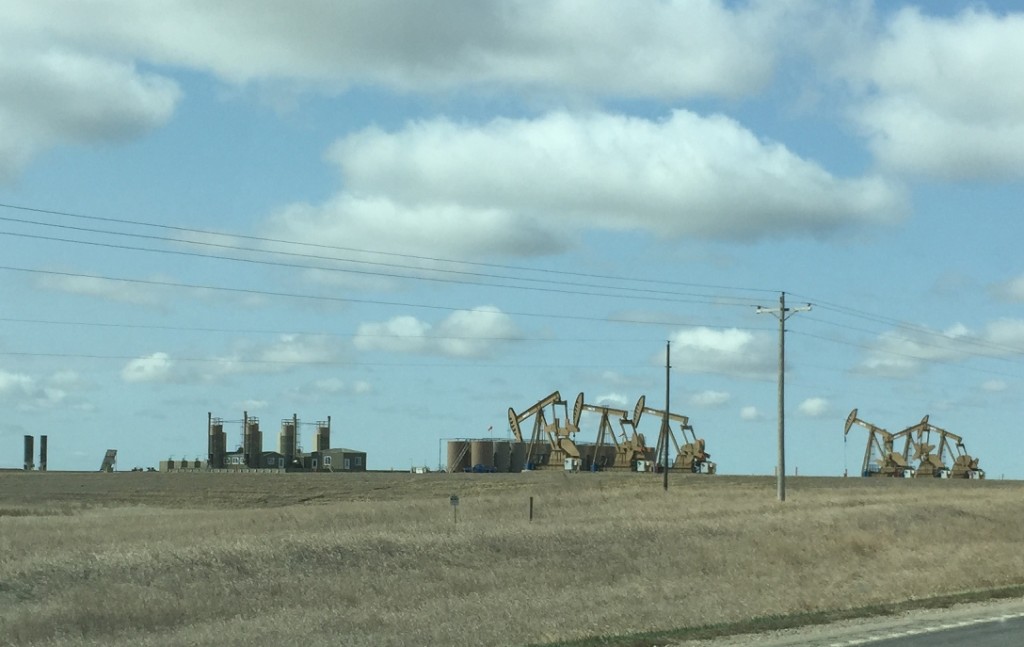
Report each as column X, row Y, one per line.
column 137, row 558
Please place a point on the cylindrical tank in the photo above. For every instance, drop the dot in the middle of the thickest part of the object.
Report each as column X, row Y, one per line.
column 42, row 453
column 607, row 458
column 587, row 457
column 458, row 455
column 253, row 443
column 502, row 455
column 217, row 444
column 481, row 453
column 288, row 441
column 30, row 451
column 518, row 458
column 322, row 440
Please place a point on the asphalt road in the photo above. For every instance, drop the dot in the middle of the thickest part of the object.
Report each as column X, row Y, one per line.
column 990, row 624
column 1005, row 632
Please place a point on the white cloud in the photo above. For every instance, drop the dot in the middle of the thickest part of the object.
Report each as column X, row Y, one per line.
column 335, row 386
column 994, row 386
column 100, row 288
column 50, row 96
column 69, row 71
column 814, row 407
column 750, row 413
column 476, row 332
column 361, row 386
column 727, row 352
column 614, row 400
column 1012, row 290
column 943, row 97
column 568, row 47
column 28, row 393
column 300, row 349
column 902, row 353
column 466, row 333
column 284, row 353
column 710, row 399
column 157, row 367
column 681, row 176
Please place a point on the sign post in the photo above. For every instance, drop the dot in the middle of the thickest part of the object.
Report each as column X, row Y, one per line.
column 454, row 500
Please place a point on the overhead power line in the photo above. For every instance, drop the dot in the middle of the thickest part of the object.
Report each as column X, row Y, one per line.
column 318, row 297
column 648, row 294
column 309, row 245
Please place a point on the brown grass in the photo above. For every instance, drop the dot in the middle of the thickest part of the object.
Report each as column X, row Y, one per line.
column 375, row 559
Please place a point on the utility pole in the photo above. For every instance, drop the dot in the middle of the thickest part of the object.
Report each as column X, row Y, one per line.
column 664, row 421
column 782, row 313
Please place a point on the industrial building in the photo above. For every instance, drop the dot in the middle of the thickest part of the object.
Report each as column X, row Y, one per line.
column 290, row 456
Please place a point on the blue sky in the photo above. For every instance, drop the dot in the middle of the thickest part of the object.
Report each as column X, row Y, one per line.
column 412, row 216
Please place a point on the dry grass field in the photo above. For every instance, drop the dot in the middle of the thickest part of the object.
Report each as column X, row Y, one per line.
column 375, row 559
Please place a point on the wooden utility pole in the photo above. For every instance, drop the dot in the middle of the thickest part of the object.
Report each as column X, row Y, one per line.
column 782, row 313
column 665, row 431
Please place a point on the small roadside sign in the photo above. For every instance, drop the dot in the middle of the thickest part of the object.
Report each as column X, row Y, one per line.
column 454, row 500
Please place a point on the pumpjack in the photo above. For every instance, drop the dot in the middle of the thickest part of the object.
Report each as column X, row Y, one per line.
column 623, row 451
column 933, row 455
column 691, row 455
column 559, row 433
column 880, row 455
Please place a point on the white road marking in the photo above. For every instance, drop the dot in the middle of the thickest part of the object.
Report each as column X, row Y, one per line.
column 927, row 630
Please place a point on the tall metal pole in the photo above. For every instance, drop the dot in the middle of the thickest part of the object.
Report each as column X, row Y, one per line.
column 783, row 313
column 780, row 481
column 664, row 420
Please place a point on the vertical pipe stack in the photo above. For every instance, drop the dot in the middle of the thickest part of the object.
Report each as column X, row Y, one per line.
column 42, row 453
column 29, row 452
column 217, row 442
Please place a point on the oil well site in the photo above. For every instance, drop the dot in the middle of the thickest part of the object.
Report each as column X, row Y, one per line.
column 549, row 435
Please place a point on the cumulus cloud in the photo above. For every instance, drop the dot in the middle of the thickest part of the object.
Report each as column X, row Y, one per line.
column 472, row 333
column 284, row 353
column 682, row 176
column 814, row 407
column 942, row 97
column 614, row 400
column 710, row 399
column 994, row 386
column 334, row 386
column 750, row 413
column 50, row 96
column 99, row 288
column 903, row 352
column 157, row 367
column 663, row 49
column 1012, row 290
column 29, row 393
column 727, row 352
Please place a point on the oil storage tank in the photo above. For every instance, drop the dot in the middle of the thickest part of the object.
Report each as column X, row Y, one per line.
column 458, row 455
column 517, row 462
column 481, row 453
column 502, row 455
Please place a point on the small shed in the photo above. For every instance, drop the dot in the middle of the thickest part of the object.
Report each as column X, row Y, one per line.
column 339, row 459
